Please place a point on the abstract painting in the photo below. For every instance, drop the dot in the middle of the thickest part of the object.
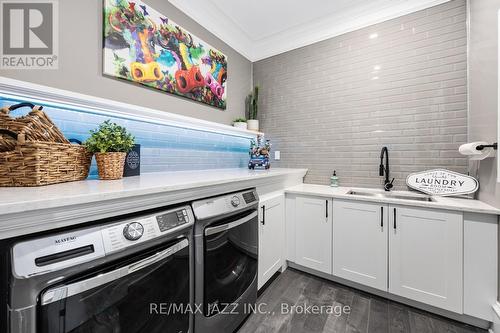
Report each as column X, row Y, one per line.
column 145, row 47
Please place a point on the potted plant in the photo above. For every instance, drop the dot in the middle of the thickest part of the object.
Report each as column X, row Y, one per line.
column 251, row 108
column 240, row 123
column 110, row 143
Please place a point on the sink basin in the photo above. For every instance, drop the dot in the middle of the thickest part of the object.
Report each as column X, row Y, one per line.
column 392, row 196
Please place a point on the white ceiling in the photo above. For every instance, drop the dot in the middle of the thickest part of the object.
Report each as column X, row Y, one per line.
column 262, row 28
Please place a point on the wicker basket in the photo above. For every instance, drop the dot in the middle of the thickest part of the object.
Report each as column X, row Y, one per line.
column 36, row 163
column 33, row 152
column 36, row 125
column 110, row 165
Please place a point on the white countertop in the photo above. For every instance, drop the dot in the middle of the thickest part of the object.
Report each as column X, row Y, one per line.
column 457, row 204
column 29, row 210
column 15, row 200
column 25, row 211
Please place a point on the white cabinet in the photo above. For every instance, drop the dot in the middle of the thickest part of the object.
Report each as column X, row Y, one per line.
column 313, row 233
column 360, row 242
column 480, row 264
column 426, row 256
column 271, row 236
column 446, row 259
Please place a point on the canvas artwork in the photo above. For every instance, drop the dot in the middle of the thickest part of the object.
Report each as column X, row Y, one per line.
column 144, row 46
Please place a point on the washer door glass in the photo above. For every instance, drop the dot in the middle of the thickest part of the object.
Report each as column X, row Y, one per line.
column 131, row 297
column 230, row 265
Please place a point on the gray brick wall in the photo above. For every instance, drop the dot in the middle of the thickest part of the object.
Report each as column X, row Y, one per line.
column 334, row 104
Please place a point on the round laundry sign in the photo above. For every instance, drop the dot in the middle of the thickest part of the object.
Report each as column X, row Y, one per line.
column 442, row 182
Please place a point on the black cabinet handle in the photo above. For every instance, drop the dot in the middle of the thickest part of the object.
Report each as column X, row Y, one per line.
column 263, row 215
column 394, row 218
column 382, row 217
column 326, row 211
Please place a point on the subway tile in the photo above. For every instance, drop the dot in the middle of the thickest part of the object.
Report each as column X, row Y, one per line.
column 163, row 148
column 417, row 107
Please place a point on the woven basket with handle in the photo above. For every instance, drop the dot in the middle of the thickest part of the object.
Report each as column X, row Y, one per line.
column 34, row 152
column 36, row 125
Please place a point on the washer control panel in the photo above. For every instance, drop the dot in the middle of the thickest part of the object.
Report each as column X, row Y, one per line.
column 172, row 219
column 135, row 231
column 54, row 252
column 216, row 206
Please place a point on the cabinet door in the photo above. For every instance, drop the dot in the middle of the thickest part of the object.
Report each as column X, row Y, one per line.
column 271, row 237
column 360, row 242
column 426, row 256
column 480, row 264
column 313, row 233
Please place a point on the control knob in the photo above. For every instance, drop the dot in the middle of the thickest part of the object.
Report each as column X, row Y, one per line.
column 133, row 231
column 235, row 201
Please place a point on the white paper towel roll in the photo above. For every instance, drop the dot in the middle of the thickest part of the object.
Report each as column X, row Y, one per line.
column 470, row 149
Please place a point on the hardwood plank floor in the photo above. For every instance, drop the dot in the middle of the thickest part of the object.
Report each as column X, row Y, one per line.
column 294, row 290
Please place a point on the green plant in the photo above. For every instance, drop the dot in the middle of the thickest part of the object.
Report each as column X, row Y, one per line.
column 252, row 104
column 240, row 120
column 109, row 137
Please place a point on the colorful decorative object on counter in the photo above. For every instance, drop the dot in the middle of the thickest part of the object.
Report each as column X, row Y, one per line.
column 34, row 152
column 110, row 143
column 442, row 182
column 143, row 46
column 259, row 154
column 252, row 109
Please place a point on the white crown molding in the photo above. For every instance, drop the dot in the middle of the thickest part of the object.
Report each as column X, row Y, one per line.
column 39, row 94
column 215, row 21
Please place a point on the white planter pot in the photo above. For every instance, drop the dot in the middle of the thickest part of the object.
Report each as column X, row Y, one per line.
column 253, row 125
column 240, row 124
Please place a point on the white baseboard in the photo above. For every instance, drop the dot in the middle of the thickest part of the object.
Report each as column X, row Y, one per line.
column 495, row 327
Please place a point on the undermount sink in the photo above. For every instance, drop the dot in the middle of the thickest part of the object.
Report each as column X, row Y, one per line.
column 392, row 196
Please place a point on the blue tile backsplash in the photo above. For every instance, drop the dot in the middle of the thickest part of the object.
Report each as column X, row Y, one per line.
column 163, row 147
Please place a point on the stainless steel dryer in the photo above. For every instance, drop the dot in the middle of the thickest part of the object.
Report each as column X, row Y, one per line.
column 226, row 244
column 128, row 275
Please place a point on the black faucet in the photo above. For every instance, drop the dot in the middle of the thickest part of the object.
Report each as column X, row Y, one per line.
column 385, row 169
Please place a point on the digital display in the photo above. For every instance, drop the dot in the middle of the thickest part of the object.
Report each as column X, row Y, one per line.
column 171, row 220
column 249, row 197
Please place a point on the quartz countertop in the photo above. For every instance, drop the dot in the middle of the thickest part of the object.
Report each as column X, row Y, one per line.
column 14, row 200
column 29, row 210
column 450, row 203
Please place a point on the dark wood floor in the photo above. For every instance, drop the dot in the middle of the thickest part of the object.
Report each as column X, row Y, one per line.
column 368, row 313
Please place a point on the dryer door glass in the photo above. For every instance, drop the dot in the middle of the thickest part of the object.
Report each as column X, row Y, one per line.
column 130, row 297
column 230, row 261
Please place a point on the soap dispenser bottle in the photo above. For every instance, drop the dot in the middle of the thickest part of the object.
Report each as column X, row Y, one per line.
column 334, row 180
